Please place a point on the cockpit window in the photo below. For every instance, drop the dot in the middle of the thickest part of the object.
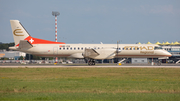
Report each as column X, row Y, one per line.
column 155, row 48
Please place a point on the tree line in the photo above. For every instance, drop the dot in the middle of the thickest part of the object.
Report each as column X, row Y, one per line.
column 6, row 46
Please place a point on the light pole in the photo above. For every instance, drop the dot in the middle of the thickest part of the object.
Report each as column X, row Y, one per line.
column 54, row 13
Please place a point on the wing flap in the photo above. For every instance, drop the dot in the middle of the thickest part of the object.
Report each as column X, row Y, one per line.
column 90, row 53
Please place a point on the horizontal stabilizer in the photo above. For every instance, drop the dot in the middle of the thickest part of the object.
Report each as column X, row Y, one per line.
column 25, row 44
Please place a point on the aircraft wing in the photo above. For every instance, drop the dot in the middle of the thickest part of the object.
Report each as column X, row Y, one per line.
column 90, row 53
column 100, row 53
column 25, row 44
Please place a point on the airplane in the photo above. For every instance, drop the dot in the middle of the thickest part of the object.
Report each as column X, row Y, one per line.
column 91, row 52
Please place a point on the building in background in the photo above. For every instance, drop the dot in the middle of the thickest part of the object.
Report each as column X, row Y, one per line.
column 14, row 55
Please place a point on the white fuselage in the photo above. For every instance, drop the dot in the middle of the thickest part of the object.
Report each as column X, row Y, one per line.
column 44, row 48
column 77, row 50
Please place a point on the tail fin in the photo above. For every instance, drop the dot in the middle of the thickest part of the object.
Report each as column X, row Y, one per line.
column 19, row 32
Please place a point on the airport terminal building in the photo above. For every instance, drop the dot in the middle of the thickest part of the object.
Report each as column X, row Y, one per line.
column 13, row 55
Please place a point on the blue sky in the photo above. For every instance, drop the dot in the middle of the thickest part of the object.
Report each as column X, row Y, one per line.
column 94, row 21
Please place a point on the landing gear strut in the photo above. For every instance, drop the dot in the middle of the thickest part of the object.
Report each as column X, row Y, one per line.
column 159, row 63
column 91, row 62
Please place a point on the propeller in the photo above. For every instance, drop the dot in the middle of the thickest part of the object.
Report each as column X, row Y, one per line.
column 118, row 50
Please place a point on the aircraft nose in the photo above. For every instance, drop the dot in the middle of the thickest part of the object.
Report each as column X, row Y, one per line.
column 168, row 54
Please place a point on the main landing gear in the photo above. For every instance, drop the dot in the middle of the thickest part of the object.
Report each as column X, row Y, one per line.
column 91, row 62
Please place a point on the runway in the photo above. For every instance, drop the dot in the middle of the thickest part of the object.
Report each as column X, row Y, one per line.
column 86, row 66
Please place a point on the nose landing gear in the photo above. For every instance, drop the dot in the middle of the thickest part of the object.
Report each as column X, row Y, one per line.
column 159, row 63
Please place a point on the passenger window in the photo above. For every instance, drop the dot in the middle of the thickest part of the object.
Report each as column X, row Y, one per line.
column 67, row 48
column 78, row 48
column 74, row 48
column 63, row 48
column 81, row 48
column 59, row 48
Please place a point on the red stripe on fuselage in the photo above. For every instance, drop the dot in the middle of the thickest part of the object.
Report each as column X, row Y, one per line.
column 41, row 41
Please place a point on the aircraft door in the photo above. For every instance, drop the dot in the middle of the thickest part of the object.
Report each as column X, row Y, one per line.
column 55, row 50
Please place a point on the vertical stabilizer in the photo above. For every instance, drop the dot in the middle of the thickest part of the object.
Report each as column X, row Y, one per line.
column 19, row 32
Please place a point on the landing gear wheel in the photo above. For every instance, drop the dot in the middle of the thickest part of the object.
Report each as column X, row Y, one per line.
column 91, row 62
column 159, row 63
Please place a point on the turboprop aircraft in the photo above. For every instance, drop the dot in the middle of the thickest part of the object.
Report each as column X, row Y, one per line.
column 44, row 48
